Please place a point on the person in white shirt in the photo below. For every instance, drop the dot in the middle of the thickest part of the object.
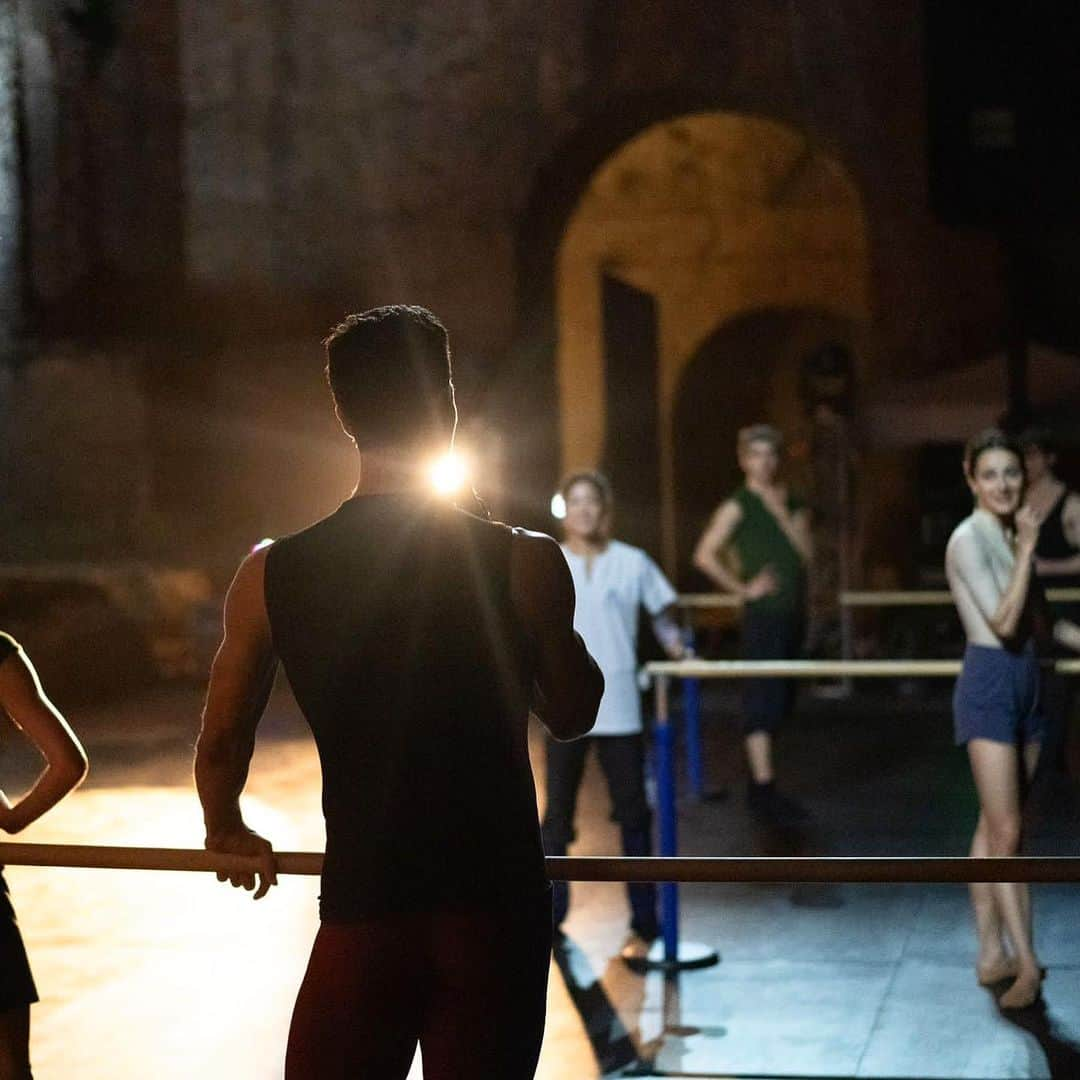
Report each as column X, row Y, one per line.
column 612, row 581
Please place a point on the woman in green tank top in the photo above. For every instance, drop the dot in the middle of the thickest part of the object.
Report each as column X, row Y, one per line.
column 769, row 530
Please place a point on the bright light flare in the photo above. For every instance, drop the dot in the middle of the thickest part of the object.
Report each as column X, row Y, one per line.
column 265, row 542
column 558, row 506
column 449, row 473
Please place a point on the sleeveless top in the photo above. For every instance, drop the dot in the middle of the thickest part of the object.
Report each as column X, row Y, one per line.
column 760, row 542
column 1054, row 544
column 394, row 622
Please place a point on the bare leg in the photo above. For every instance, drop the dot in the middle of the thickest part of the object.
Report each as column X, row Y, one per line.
column 759, row 756
column 1031, row 763
column 996, row 768
column 15, row 1044
column 994, row 962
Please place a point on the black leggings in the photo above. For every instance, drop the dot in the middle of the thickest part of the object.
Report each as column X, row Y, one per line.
column 622, row 757
column 469, row 987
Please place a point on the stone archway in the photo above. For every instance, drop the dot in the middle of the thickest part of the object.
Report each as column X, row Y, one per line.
column 706, row 217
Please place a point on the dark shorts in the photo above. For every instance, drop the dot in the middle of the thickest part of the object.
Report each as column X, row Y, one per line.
column 997, row 696
column 769, row 635
column 469, row 987
column 16, row 983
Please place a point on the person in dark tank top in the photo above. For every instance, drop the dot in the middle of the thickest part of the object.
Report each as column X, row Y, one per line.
column 417, row 637
column 1057, row 566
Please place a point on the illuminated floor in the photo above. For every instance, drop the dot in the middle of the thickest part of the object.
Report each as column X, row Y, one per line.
column 172, row 975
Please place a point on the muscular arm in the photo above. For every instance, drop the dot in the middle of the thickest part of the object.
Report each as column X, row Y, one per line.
column 568, row 682
column 240, row 682
column 23, row 699
column 971, row 583
column 710, row 547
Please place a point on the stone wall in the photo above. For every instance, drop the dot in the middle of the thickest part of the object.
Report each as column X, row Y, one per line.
column 227, row 178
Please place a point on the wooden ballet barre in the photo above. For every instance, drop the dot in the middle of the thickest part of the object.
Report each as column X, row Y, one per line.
column 930, row 597
column 867, row 598
column 709, row 600
column 702, row 870
column 825, row 669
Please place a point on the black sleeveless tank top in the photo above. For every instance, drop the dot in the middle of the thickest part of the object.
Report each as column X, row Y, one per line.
column 1054, row 544
column 394, row 622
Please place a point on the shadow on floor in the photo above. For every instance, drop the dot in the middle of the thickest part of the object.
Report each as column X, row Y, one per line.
column 611, row 1043
column 1062, row 1055
column 791, row 841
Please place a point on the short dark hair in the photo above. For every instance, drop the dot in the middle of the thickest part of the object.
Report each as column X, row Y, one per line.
column 600, row 483
column 390, row 372
column 1039, row 438
column 989, row 439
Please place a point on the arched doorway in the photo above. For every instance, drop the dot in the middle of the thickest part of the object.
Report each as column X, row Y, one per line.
column 699, row 220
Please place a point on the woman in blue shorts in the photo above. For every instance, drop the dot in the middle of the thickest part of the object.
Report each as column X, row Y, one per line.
column 24, row 702
column 996, row 707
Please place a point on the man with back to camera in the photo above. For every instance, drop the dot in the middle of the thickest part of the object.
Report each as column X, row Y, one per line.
column 769, row 529
column 415, row 636
column 612, row 582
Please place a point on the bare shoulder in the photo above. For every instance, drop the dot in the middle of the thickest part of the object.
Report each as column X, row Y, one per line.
column 246, row 599
column 17, row 677
column 725, row 519
column 729, row 511
column 962, row 545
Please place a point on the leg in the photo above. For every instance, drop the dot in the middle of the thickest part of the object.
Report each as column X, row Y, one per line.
column 15, row 1043
column 1072, row 728
column 622, row 757
column 360, row 1006
column 485, row 1017
column 1032, row 760
column 996, row 768
column 770, row 635
column 994, row 962
column 759, row 756
column 759, row 695
column 565, row 765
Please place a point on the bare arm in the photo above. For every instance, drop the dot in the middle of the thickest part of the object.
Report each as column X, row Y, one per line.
column 964, row 568
column 710, row 547
column 240, row 682
column 669, row 633
column 797, row 528
column 568, row 682
column 23, row 699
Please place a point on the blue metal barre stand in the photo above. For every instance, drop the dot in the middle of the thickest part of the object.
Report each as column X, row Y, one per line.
column 691, row 713
column 691, row 718
column 669, row 954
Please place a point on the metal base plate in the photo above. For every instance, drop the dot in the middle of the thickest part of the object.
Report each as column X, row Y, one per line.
column 692, row 955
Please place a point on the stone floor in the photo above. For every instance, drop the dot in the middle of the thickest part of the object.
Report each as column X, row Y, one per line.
column 173, row 975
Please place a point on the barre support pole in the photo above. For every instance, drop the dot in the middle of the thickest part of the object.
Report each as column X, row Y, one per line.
column 669, row 954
